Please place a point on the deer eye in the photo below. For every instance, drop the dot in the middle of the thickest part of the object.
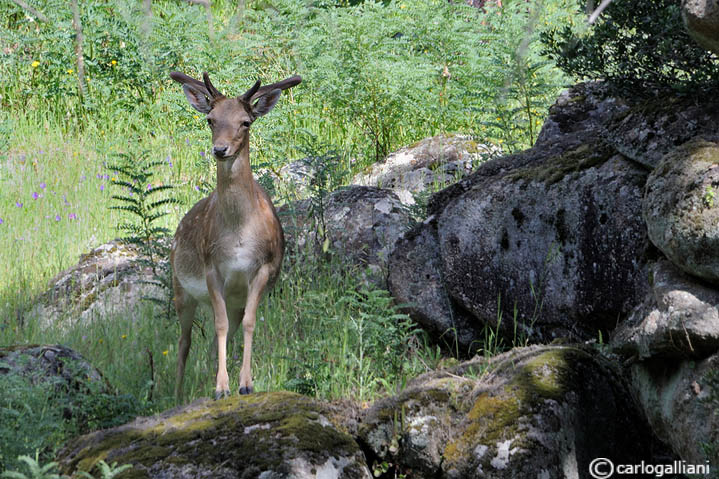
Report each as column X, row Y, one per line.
column 246, row 124
column 209, row 122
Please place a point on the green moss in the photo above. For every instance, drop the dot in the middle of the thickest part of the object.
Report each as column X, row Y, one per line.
column 293, row 423
column 555, row 169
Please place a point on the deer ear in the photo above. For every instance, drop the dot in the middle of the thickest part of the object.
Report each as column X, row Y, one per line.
column 266, row 102
column 197, row 98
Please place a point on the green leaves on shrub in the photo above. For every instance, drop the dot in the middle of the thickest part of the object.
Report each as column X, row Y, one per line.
column 637, row 46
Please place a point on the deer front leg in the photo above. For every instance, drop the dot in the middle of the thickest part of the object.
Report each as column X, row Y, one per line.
column 217, row 299
column 254, row 295
column 185, row 306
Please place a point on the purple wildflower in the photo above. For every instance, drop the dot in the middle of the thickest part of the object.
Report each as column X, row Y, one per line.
column 187, row 141
column 99, row 176
column 72, row 216
column 43, row 185
column 102, row 187
column 35, row 195
column 202, row 153
column 57, row 218
column 1, row 221
column 197, row 188
column 18, row 204
column 149, row 186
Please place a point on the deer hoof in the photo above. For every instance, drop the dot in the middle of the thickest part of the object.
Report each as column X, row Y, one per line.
column 222, row 394
column 246, row 390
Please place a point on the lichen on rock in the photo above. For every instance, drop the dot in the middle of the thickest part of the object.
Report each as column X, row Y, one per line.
column 278, row 435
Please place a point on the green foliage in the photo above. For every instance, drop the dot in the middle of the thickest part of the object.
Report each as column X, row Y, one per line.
column 38, row 413
column 36, row 471
column 135, row 175
column 636, row 45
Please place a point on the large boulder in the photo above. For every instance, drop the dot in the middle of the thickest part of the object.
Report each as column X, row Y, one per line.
column 540, row 412
column 701, row 18
column 360, row 223
column 430, row 163
column 58, row 366
column 541, row 244
column 681, row 208
column 681, row 401
column 678, row 319
column 108, row 280
column 416, row 281
column 267, row 435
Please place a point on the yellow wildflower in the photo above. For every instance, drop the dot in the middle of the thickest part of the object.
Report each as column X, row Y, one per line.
column 113, row 63
column 196, row 117
column 35, row 64
column 124, row 336
column 70, row 71
column 164, row 353
column 99, row 340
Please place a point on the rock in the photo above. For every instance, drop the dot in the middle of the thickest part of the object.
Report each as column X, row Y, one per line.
column 681, row 209
column 701, row 18
column 415, row 280
column 362, row 223
column 438, row 160
column 681, row 400
column 265, row 435
column 56, row 365
column 543, row 411
column 679, row 318
column 646, row 130
column 107, row 280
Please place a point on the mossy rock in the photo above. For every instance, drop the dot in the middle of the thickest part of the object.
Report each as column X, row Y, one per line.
column 543, row 411
column 681, row 208
column 268, row 435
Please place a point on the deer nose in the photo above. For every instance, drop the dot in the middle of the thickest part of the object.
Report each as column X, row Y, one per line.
column 219, row 151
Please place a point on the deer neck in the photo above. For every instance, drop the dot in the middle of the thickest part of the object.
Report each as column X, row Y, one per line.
column 236, row 190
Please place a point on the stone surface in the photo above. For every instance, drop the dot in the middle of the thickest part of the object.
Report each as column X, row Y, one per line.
column 679, row 318
column 681, row 208
column 415, row 280
column 701, row 18
column 541, row 412
column 361, row 223
column 431, row 163
column 646, row 130
column 681, row 400
column 266, row 435
column 54, row 364
column 551, row 238
column 107, row 280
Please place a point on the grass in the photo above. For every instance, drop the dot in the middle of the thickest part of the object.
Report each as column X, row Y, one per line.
column 424, row 68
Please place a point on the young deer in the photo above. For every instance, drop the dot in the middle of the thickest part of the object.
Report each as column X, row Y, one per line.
column 228, row 248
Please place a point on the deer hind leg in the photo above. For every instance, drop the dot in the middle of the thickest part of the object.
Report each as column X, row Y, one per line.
column 254, row 295
column 185, row 305
column 219, row 308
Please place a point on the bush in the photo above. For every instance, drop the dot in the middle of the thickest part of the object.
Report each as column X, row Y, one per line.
column 39, row 413
column 637, row 46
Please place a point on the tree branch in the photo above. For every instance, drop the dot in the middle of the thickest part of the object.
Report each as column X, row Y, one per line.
column 28, row 8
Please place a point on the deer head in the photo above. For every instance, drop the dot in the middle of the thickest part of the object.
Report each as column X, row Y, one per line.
column 230, row 118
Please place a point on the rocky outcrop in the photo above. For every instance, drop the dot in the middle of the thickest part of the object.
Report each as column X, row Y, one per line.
column 361, row 224
column 678, row 319
column 681, row 208
column 265, row 435
column 681, row 399
column 107, row 280
column 431, row 163
column 701, row 18
column 544, row 412
column 58, row 366
column 545, row 243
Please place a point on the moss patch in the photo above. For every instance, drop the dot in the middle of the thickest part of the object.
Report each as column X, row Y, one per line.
column 554, row 169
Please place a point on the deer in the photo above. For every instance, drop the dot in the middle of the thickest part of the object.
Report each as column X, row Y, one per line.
column 228, row 249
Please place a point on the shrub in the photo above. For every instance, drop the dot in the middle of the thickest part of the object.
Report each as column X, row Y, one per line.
column 637, row 46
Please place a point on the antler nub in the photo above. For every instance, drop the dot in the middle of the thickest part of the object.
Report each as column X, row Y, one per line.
column 214, row 92
column 247, row 97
